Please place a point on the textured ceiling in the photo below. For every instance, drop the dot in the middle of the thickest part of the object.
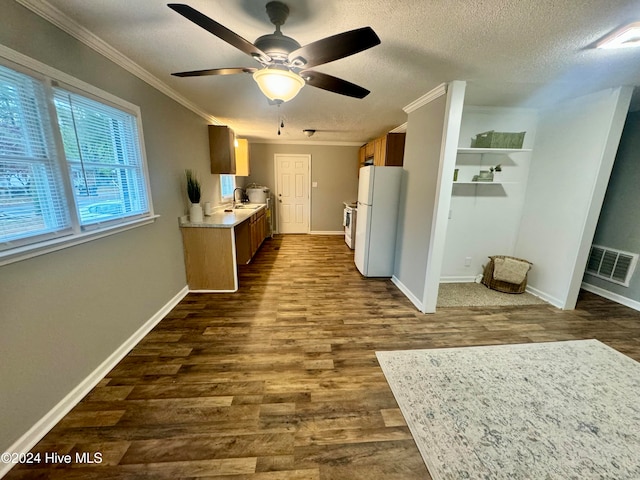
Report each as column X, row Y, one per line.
column 525, row 53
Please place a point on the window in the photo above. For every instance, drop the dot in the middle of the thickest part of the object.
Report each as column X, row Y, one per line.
column 71, row 164
column 101, row 148
column 227, row 187
column 32, row 203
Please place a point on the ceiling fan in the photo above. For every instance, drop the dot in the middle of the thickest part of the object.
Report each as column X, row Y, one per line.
column 285, row 63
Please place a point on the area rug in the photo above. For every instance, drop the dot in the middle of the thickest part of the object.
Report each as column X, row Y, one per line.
column 544, row 411
column 478, row 295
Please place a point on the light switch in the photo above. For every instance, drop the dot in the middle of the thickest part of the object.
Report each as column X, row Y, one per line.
column 314, row 184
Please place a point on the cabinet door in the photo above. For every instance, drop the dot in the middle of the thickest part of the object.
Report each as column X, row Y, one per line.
column 222, row 149
column 253, row 234
column 379, row 151
column 369, row 149
column 361, row 158
column 242, row 158
column 267, row 229
column 394, row 149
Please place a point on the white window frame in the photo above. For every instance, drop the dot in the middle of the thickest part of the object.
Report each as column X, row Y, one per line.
column 51, row 76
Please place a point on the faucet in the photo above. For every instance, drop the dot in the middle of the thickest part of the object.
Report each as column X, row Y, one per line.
column 233, row 205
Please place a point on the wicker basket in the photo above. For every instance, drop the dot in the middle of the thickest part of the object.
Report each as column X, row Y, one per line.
column 492, row 139
column 505, row 287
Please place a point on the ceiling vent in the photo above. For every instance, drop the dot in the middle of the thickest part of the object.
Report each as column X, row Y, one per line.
column 613, row 265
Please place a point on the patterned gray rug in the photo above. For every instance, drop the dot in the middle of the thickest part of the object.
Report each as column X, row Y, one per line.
column 478, row 295
column 543, row 411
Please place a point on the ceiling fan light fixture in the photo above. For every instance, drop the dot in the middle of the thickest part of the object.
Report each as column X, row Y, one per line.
column 627, row 36
column 277, row 84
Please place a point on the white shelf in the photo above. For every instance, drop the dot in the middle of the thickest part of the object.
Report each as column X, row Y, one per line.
column 493, row 150
column 485, row 183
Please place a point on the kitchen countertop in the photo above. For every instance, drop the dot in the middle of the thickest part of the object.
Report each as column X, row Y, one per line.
column 222, row 219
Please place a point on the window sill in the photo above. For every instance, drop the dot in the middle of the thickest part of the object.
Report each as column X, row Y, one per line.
column 36, row 249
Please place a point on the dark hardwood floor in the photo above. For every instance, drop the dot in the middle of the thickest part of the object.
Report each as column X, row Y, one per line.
column 279, row 381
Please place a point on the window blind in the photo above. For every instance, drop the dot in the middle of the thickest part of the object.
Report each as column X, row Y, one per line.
column 72, row 165
column 32, row 203
column 105, row 165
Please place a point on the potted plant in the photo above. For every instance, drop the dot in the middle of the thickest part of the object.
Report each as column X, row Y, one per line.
column 194, row 192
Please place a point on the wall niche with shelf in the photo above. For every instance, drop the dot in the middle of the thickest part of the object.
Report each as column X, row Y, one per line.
column 485, row 216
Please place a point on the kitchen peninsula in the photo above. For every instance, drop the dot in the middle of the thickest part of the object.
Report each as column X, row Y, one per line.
column 215, row 247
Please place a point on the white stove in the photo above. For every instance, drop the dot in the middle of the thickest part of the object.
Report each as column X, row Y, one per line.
column 349, row 223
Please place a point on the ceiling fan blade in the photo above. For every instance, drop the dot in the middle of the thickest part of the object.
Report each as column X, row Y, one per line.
column 334, row 47
column 333, row 84
column 219, row 30
column 215, row 71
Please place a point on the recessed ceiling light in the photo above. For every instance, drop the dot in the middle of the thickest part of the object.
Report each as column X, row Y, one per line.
column 627, row 36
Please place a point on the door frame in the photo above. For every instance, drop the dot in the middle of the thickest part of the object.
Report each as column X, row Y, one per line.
column 277, row 189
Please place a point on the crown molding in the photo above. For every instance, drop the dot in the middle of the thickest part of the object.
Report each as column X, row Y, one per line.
column 400, row 128
column 426, row 98
column 54, row 16
column 306, row 142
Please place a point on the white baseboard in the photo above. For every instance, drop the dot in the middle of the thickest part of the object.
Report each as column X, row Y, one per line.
column 466, row 279
column 407, row 293
column 213, row 291
column 614, row 297
column 27, row 441
column 328, row 232
column 544, row 296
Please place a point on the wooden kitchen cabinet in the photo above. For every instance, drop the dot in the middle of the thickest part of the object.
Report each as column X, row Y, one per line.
column 391, row 150
column 208, row 256
column 361, row 157
column 387, row 150
column 368, row 150
column 213, row 251
column 379, row 151
column 249, row 236
column 222, row 150
column 257, row 229
column 242, row 158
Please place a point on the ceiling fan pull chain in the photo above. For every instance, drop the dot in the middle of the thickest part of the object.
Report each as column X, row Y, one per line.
column 280, row 122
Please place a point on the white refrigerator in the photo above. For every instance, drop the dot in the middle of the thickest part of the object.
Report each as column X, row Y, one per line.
column 378, row 198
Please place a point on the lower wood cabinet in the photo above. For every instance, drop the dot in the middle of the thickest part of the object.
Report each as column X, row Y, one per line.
column 211, row 260
column 250, row 235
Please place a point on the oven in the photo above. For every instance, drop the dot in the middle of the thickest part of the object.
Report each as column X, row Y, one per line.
column 349, row 223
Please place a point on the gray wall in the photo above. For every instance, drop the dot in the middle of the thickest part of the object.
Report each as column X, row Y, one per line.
column 618, row 226
column 335, row 168
column 419, row 194
column 62, row 314
column 572, row 158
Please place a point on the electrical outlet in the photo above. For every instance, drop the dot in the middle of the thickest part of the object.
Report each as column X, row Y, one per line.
column 467, row 261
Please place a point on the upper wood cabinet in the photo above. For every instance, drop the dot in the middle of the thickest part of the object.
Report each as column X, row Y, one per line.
column 387, row 150
column 379, row 151
column 362, row 156
column 222, row 149
column 368, row 149
column 242, row 158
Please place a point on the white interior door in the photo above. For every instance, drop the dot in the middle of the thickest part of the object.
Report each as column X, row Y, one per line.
column 292, row 192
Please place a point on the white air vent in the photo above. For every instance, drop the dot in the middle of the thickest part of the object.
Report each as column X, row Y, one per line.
column 613, row 265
